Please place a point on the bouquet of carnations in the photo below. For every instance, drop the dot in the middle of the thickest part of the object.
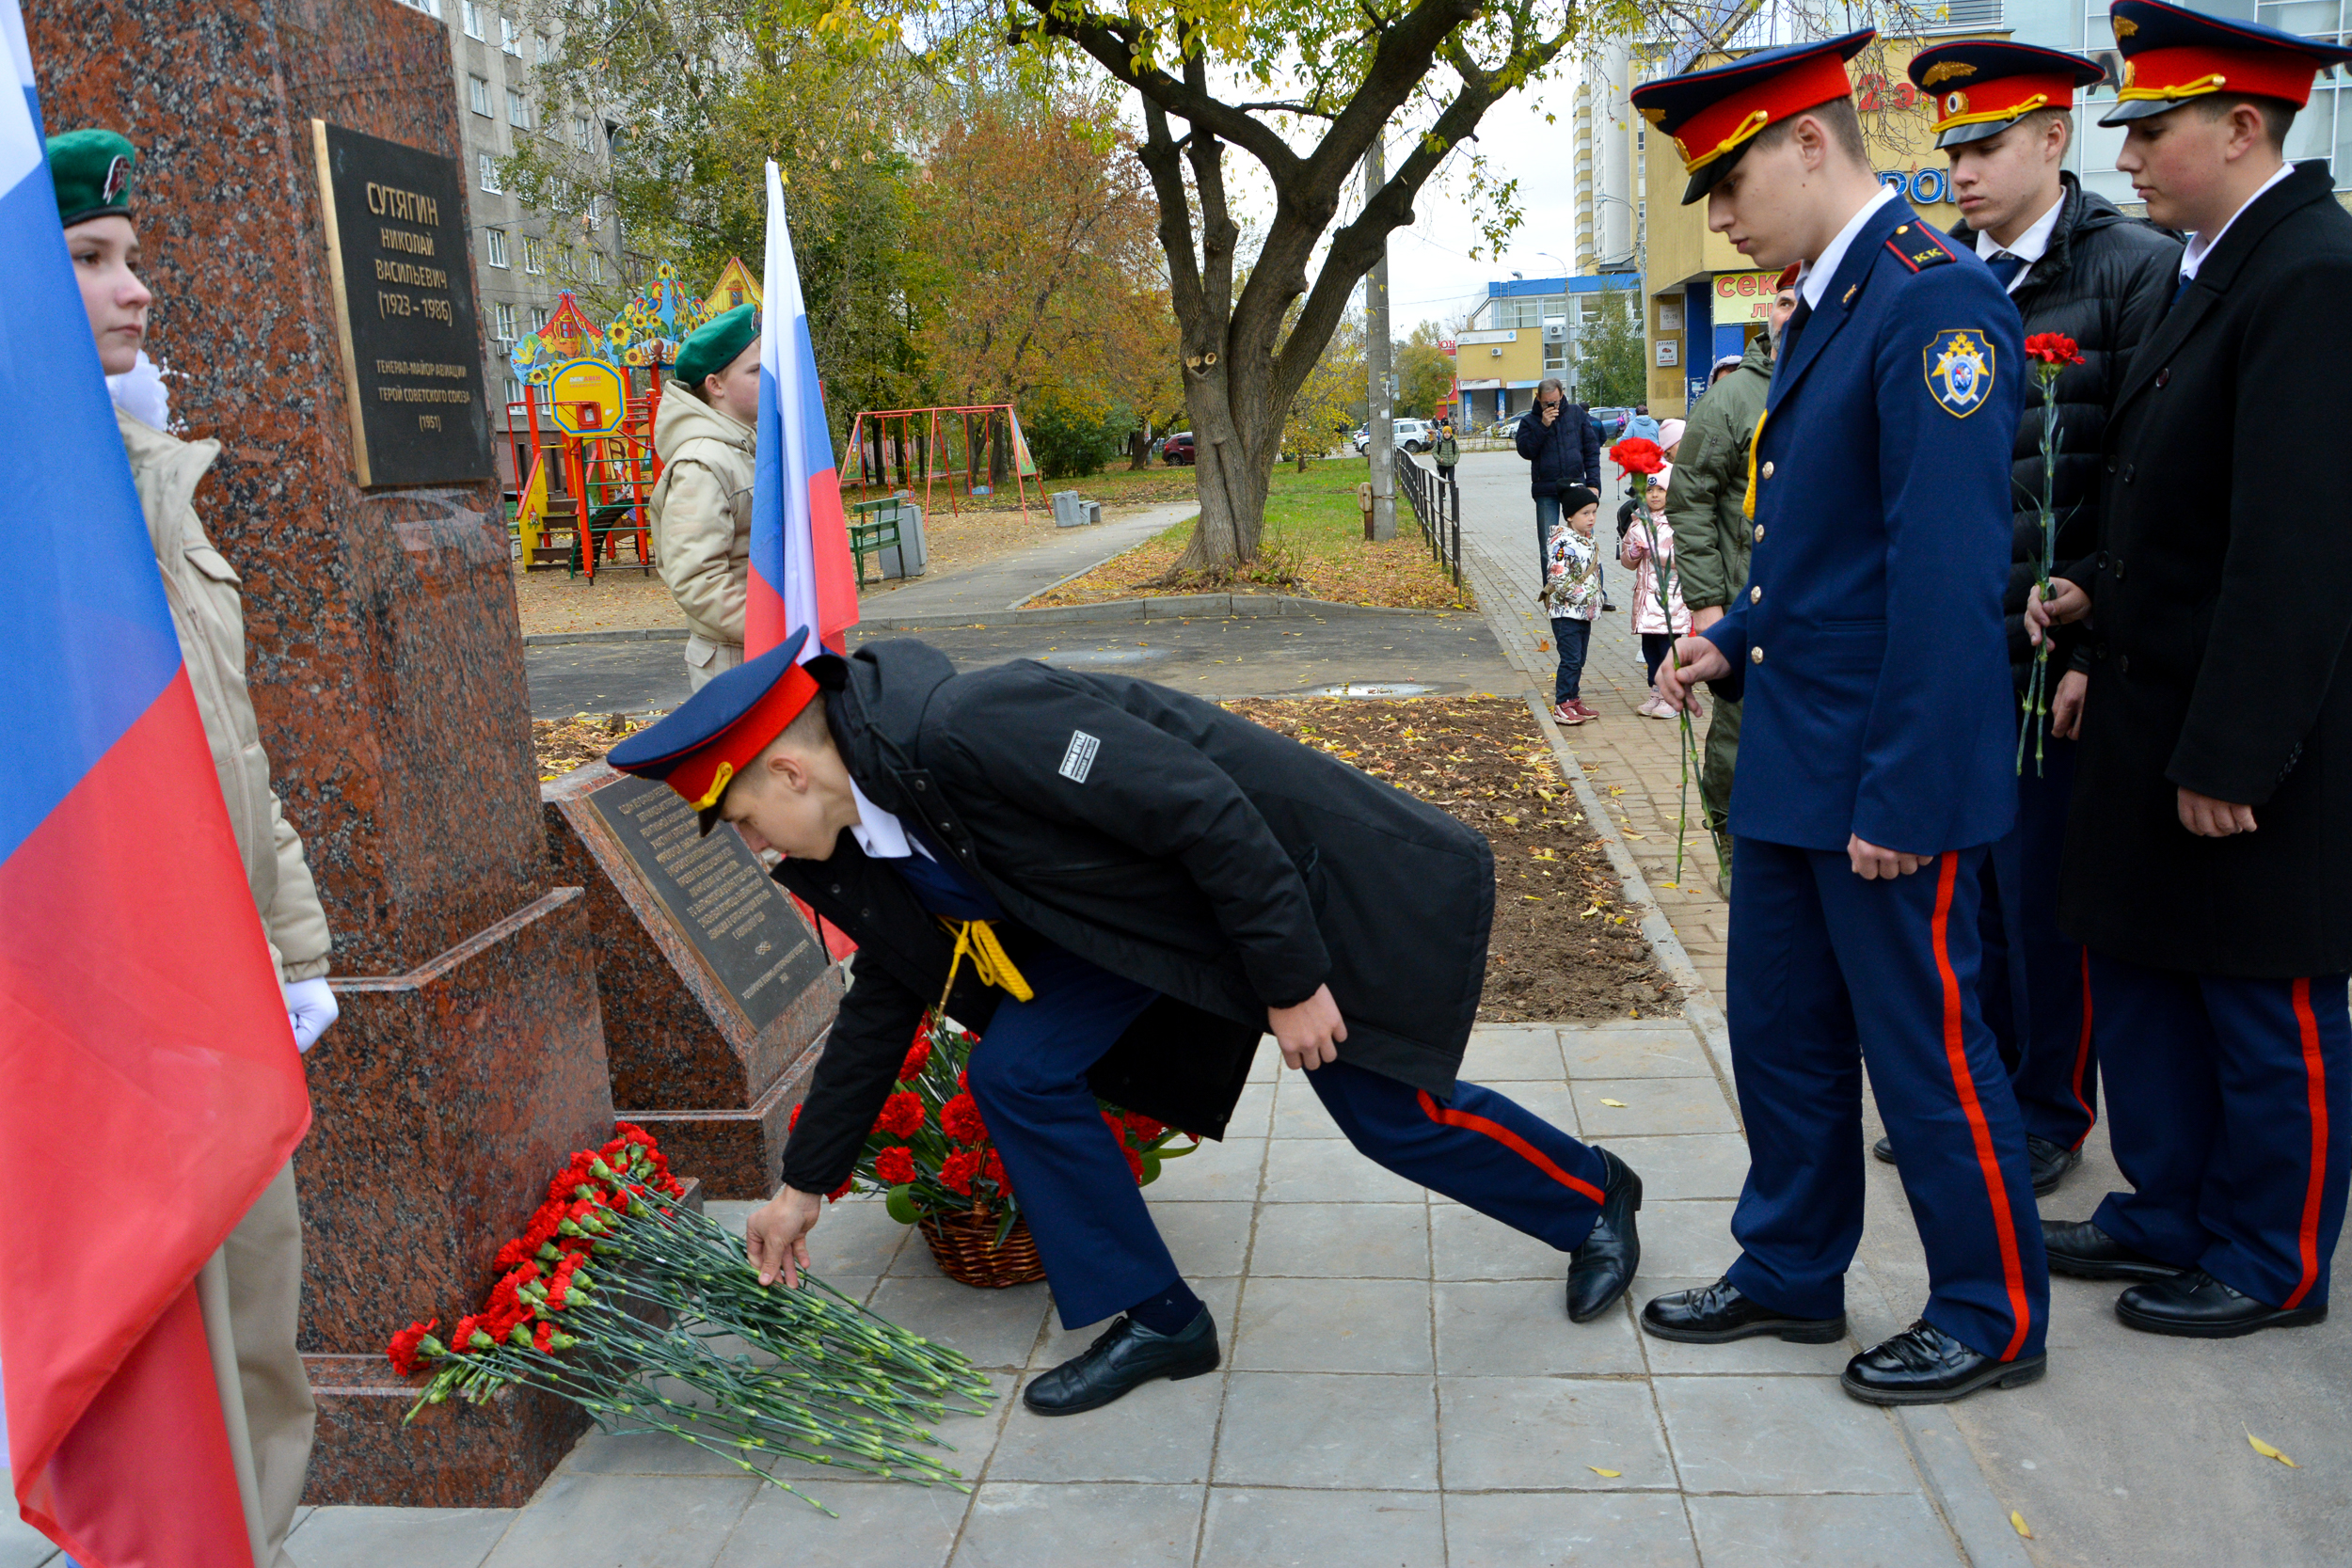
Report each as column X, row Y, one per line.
column 616, row 1289
column 929, row 1153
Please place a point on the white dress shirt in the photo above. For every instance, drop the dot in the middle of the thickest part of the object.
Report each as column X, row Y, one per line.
column 883, row 836
column 1813, row 278
column 2199, row 247
column 2028, row 247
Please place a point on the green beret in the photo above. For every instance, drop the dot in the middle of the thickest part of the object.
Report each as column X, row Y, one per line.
column 715, row 344
column 91, row 170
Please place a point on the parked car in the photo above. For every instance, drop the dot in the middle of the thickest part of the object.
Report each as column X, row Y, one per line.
column 1612, row 423
column 1414, row 435
column 1508, row 430
column 1177, row 451
column 1363, row 438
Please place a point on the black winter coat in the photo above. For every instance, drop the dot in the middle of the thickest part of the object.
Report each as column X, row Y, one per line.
column 2221, row 599
column 2103, row 282
column 1158, row 837
column 1564, row 453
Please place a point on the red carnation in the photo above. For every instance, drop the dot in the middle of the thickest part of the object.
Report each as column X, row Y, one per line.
column 2053, row 348
column 542, row 1337
column 1135, row 1162
column 901, row 1116
column 792, row 1122
column 956, row 1171
column 1638, row 454
column 918, row 1057
column 895, row 1165
column 1144, row 1126
column 461, row 1339
column 994, row 1169
column 405, row 1345
column 842, row 1191
column 960, row 1118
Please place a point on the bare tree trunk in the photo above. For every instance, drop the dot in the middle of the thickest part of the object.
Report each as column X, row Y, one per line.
column 1138, row 447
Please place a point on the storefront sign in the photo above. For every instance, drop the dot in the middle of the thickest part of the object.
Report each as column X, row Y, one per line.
column 1743, row 296
column 1921, row 187
column 403, row 278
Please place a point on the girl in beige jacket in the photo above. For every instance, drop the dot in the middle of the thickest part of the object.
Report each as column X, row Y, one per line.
column 702, row 505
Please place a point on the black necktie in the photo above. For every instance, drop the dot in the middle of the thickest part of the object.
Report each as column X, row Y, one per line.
column 2006, row 268
column 1797, row 318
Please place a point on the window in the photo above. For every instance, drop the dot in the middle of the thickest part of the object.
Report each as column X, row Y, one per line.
column 504, row 314
column 582, row 137
column 535, row 254
column 490, row 172
column 542, row 52
column 538, row 318
column 478, row 94
column 595, row 266
column 430, row 7
column 518, row 109
column 510, row 37
column 513, row 388
column 472, row 15
column 496, row 252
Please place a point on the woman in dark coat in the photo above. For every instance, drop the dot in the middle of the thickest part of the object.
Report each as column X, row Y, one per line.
column 1170, row 881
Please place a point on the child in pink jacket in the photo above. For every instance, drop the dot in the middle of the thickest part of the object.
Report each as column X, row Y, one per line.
column 1649, row 544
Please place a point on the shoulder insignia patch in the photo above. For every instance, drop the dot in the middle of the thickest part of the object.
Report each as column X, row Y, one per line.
column 1921, row 251
column 1959, row 368
column 1078, row 758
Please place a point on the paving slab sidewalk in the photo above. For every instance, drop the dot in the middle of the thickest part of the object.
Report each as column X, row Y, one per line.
column 1401, row 1385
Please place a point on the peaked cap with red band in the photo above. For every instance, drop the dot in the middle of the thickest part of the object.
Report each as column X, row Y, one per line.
column 713, row 736
column 1979, row 88
column 1712, row 115
column 2172, row 54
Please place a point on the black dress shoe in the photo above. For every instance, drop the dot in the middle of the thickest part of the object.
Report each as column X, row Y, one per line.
column 2049, row 1161
column 1713, row 1314
column 1884, row 1149
column 1604, row 1266
column 1124, row 1356
column 2080, row 1249
column 2196, row 1305
column 1923, row 1365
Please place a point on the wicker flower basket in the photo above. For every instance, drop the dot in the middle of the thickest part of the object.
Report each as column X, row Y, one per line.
column 965, row 1244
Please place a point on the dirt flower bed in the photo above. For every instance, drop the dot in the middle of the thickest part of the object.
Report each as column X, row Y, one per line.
column 1566, row 945
column 563, row 744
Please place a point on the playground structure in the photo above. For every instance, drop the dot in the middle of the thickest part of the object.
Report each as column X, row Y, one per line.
column 583, row 432
column 958, row 445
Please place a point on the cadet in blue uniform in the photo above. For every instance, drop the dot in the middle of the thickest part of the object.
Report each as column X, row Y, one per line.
column 1877, row 745
column 1121, row 888
column 2206, row 854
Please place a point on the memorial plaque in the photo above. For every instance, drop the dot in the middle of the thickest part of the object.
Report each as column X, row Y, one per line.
column 401, row 272
column 725, row 902
column 716, row 991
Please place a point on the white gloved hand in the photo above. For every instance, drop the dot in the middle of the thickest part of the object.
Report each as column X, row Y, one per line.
column 311, row 1008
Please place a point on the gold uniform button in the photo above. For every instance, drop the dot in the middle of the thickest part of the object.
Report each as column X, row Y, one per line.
column 1755, row 595
column 1759, row 533
column 1768, row 470
column 1756, row 655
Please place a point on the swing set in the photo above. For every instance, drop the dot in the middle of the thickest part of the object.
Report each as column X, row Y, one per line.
column 960, row 448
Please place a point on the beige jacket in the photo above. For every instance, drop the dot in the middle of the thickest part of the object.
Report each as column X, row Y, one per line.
column 701, row 516
column 208, row 612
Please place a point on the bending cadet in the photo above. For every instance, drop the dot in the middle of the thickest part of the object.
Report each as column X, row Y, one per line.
column 1876, row 748
column 1155, row 883
column 705, row 436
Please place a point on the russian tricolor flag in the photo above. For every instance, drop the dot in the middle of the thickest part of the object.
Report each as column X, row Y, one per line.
column 148, row 1083
column 801, row 574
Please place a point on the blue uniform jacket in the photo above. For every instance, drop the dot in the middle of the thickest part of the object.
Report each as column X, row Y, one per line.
column 1869, row 649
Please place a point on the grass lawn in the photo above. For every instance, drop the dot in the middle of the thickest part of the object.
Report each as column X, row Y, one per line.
column 1313, row 547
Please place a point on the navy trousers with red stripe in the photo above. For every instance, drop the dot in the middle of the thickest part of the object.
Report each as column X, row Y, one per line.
column 1828, row 971
column 1101, row 1250
column 2032, row 985
column 2228, row 1111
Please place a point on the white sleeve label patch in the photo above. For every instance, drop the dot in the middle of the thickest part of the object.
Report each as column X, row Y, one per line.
column 1079, row 758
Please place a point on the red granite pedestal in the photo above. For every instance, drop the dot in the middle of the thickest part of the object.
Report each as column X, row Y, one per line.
column 386, row 666
column 689, row 1064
